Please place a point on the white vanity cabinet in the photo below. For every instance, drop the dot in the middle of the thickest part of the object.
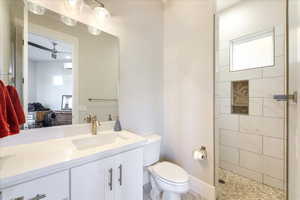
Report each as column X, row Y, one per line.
column 130, row 187
column 55, row 186
column 115, row 178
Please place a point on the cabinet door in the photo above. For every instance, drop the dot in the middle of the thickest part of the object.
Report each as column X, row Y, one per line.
column 93, row 181
column 51, row 187
column 129, row 181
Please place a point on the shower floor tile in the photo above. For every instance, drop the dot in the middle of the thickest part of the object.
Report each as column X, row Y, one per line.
column 240, row 188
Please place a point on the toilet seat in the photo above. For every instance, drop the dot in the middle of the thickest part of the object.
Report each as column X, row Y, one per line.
column 170, row 173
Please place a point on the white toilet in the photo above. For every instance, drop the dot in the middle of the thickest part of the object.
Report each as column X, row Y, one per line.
column 167, row 179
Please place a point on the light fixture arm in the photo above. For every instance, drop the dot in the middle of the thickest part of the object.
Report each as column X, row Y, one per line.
column 100, row 3
column 95, row 3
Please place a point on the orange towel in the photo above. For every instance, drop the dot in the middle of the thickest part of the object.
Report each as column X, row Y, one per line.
column 12, row 91
column 8, row 120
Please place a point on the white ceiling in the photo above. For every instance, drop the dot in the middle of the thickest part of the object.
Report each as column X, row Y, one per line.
column 37, row 54
column 222, row 4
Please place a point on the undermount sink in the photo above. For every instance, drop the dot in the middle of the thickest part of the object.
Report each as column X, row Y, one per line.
column 95, row 141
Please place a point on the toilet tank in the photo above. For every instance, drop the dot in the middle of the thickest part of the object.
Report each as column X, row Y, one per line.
column 152, row 149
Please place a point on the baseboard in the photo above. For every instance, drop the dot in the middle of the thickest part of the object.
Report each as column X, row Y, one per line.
column 207, row 191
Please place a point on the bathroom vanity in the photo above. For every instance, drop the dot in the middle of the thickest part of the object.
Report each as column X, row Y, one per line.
column 77, row 65
column 74, row 167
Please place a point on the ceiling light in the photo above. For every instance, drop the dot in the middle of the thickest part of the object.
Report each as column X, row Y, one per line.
column 94, row 31
column 35, row 8
column 68, row 21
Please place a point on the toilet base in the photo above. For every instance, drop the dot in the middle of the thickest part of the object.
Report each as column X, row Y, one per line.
column 171, row 196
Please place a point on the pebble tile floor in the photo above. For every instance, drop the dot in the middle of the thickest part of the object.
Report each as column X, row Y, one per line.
column 240, row 188
column 188, row 196
column 236, row 188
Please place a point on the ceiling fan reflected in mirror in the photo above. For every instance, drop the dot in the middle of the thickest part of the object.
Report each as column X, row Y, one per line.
column 53, row 52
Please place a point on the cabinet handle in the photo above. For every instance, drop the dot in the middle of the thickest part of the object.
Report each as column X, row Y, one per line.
column 38, row 197
column 110, row 183
column 18, row 198
column 121, row 174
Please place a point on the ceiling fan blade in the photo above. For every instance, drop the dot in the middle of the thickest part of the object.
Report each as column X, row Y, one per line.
column 39, row 46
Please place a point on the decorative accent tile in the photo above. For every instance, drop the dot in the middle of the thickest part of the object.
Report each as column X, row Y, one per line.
column 240, row 97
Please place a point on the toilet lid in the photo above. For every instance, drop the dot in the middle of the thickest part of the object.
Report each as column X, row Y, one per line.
column 170, row 172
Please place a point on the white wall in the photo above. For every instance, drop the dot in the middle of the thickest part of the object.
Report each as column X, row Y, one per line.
column 46, row 91
column 252, row 145
column 138, row 24
column 188, row 82
column 32, row 84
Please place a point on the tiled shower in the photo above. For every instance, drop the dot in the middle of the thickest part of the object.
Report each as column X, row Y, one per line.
column 250, row 137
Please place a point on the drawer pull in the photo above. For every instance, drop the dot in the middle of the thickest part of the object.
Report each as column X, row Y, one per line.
column 121, row 174
column 18, row 198
column 38, row 197
column 110, row 183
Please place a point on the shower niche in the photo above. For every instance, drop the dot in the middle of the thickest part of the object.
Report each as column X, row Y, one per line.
column 240, row 97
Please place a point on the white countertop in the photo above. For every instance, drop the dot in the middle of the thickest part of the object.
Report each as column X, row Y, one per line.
column 24, row 162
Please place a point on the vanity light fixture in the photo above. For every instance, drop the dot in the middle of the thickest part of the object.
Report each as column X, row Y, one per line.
column 94, row 31
column 68, row 21
column 74, row 2
column 35, row 8
column 101, row 12
column 77, row 4
column 99, row 9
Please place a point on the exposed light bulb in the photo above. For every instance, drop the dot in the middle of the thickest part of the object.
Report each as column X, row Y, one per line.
column 35, row 8
column 68, row 21
column 94, row 31
column 74, row 6
column 73, row 2
column 102, row 13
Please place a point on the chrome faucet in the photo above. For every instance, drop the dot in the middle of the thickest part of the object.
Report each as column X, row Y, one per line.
column 94, row 122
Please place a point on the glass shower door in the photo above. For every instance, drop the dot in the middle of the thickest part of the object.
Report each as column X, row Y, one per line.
column 250, row 114
column 294, row 109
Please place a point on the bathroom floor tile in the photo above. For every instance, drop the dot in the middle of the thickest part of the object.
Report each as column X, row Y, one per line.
column 240, row 188
column 189, row 196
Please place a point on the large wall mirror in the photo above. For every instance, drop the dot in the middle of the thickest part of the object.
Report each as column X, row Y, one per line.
column 66, row 69
column 11, row 42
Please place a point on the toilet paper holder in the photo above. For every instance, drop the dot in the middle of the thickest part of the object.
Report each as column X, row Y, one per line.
column 200, row 153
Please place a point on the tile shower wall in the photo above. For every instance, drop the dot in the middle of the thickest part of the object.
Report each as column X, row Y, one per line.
column 252, row 145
